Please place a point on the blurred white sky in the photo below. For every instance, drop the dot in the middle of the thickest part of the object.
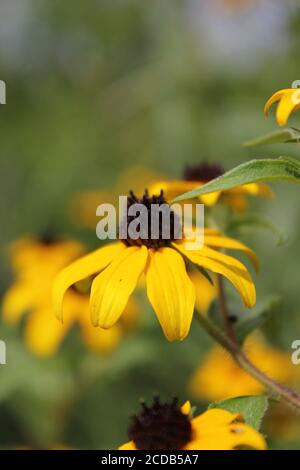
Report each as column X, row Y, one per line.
column 244, row 37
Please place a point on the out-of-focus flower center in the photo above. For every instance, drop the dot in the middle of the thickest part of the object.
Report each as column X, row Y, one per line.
column 203, row 172
column 48, row 238
column 162, row 426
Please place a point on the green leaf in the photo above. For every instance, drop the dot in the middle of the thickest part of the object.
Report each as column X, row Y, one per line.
column 249, row 222
column 254, row 319
column 254, row 171
column 252, row 408
column 281, row 136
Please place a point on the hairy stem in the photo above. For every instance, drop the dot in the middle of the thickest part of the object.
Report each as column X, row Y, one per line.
column 233, row 347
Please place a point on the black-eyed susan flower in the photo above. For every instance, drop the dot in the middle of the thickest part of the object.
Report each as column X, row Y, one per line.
column 199, row 174
column 167, row 426
column 35, row 263
column 170, row 290
column 288, row 102
column 218, row 377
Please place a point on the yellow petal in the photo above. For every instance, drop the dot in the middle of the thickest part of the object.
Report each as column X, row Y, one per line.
column 233, row 437
column 232, row 244
column 112, row 288
column 218, row 429
column 128, row 446
column 211, row 420
column 186, row 408
column 80, row 269
column 210, row 199
column 226, row 265
column 44, row 333
column 287, row 106
column 274, row 98
column 19, row 298
column 173, row 188
column 171, row 293
column 28, row 255
column 257, row 189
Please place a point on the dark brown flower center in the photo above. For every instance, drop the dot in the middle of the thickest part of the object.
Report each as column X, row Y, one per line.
column 162, row 224
column 48, row 238
column 162, row 426
column 203, row 172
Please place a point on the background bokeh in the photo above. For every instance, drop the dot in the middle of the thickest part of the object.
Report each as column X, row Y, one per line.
column 99, row 87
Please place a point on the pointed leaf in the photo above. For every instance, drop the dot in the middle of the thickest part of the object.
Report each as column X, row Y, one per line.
column 252, row 408
column 281, row 136
column 254, row 171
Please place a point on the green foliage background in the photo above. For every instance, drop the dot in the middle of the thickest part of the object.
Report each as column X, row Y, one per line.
column 95, row 88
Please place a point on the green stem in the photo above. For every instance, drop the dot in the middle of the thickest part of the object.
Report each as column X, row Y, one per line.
column 289, row 395
column 229, row 328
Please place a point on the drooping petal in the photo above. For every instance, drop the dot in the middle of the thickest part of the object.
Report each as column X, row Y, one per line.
column 220, row 241
column 286, row 106
column 227, row 266
column 170, row 292
column 112, row 288
column 81, row 269
column 274, row 98
column 218, row 429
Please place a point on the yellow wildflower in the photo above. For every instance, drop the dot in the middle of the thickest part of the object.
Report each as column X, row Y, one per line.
column 165, row 426
column 170, row 290
column 219, row 377
column 35, row 264
column 289, row 102
column 195, row 176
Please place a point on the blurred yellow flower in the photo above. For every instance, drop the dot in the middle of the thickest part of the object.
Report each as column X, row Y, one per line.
column 195, row 176
column 35, row 264
column 282, row 423
column 170, row 290
column 289, row 102
column 84, row 204
column 165, row 426
column 219, row 377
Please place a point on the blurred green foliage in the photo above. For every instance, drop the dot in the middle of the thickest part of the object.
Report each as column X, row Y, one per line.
column 94, row 88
